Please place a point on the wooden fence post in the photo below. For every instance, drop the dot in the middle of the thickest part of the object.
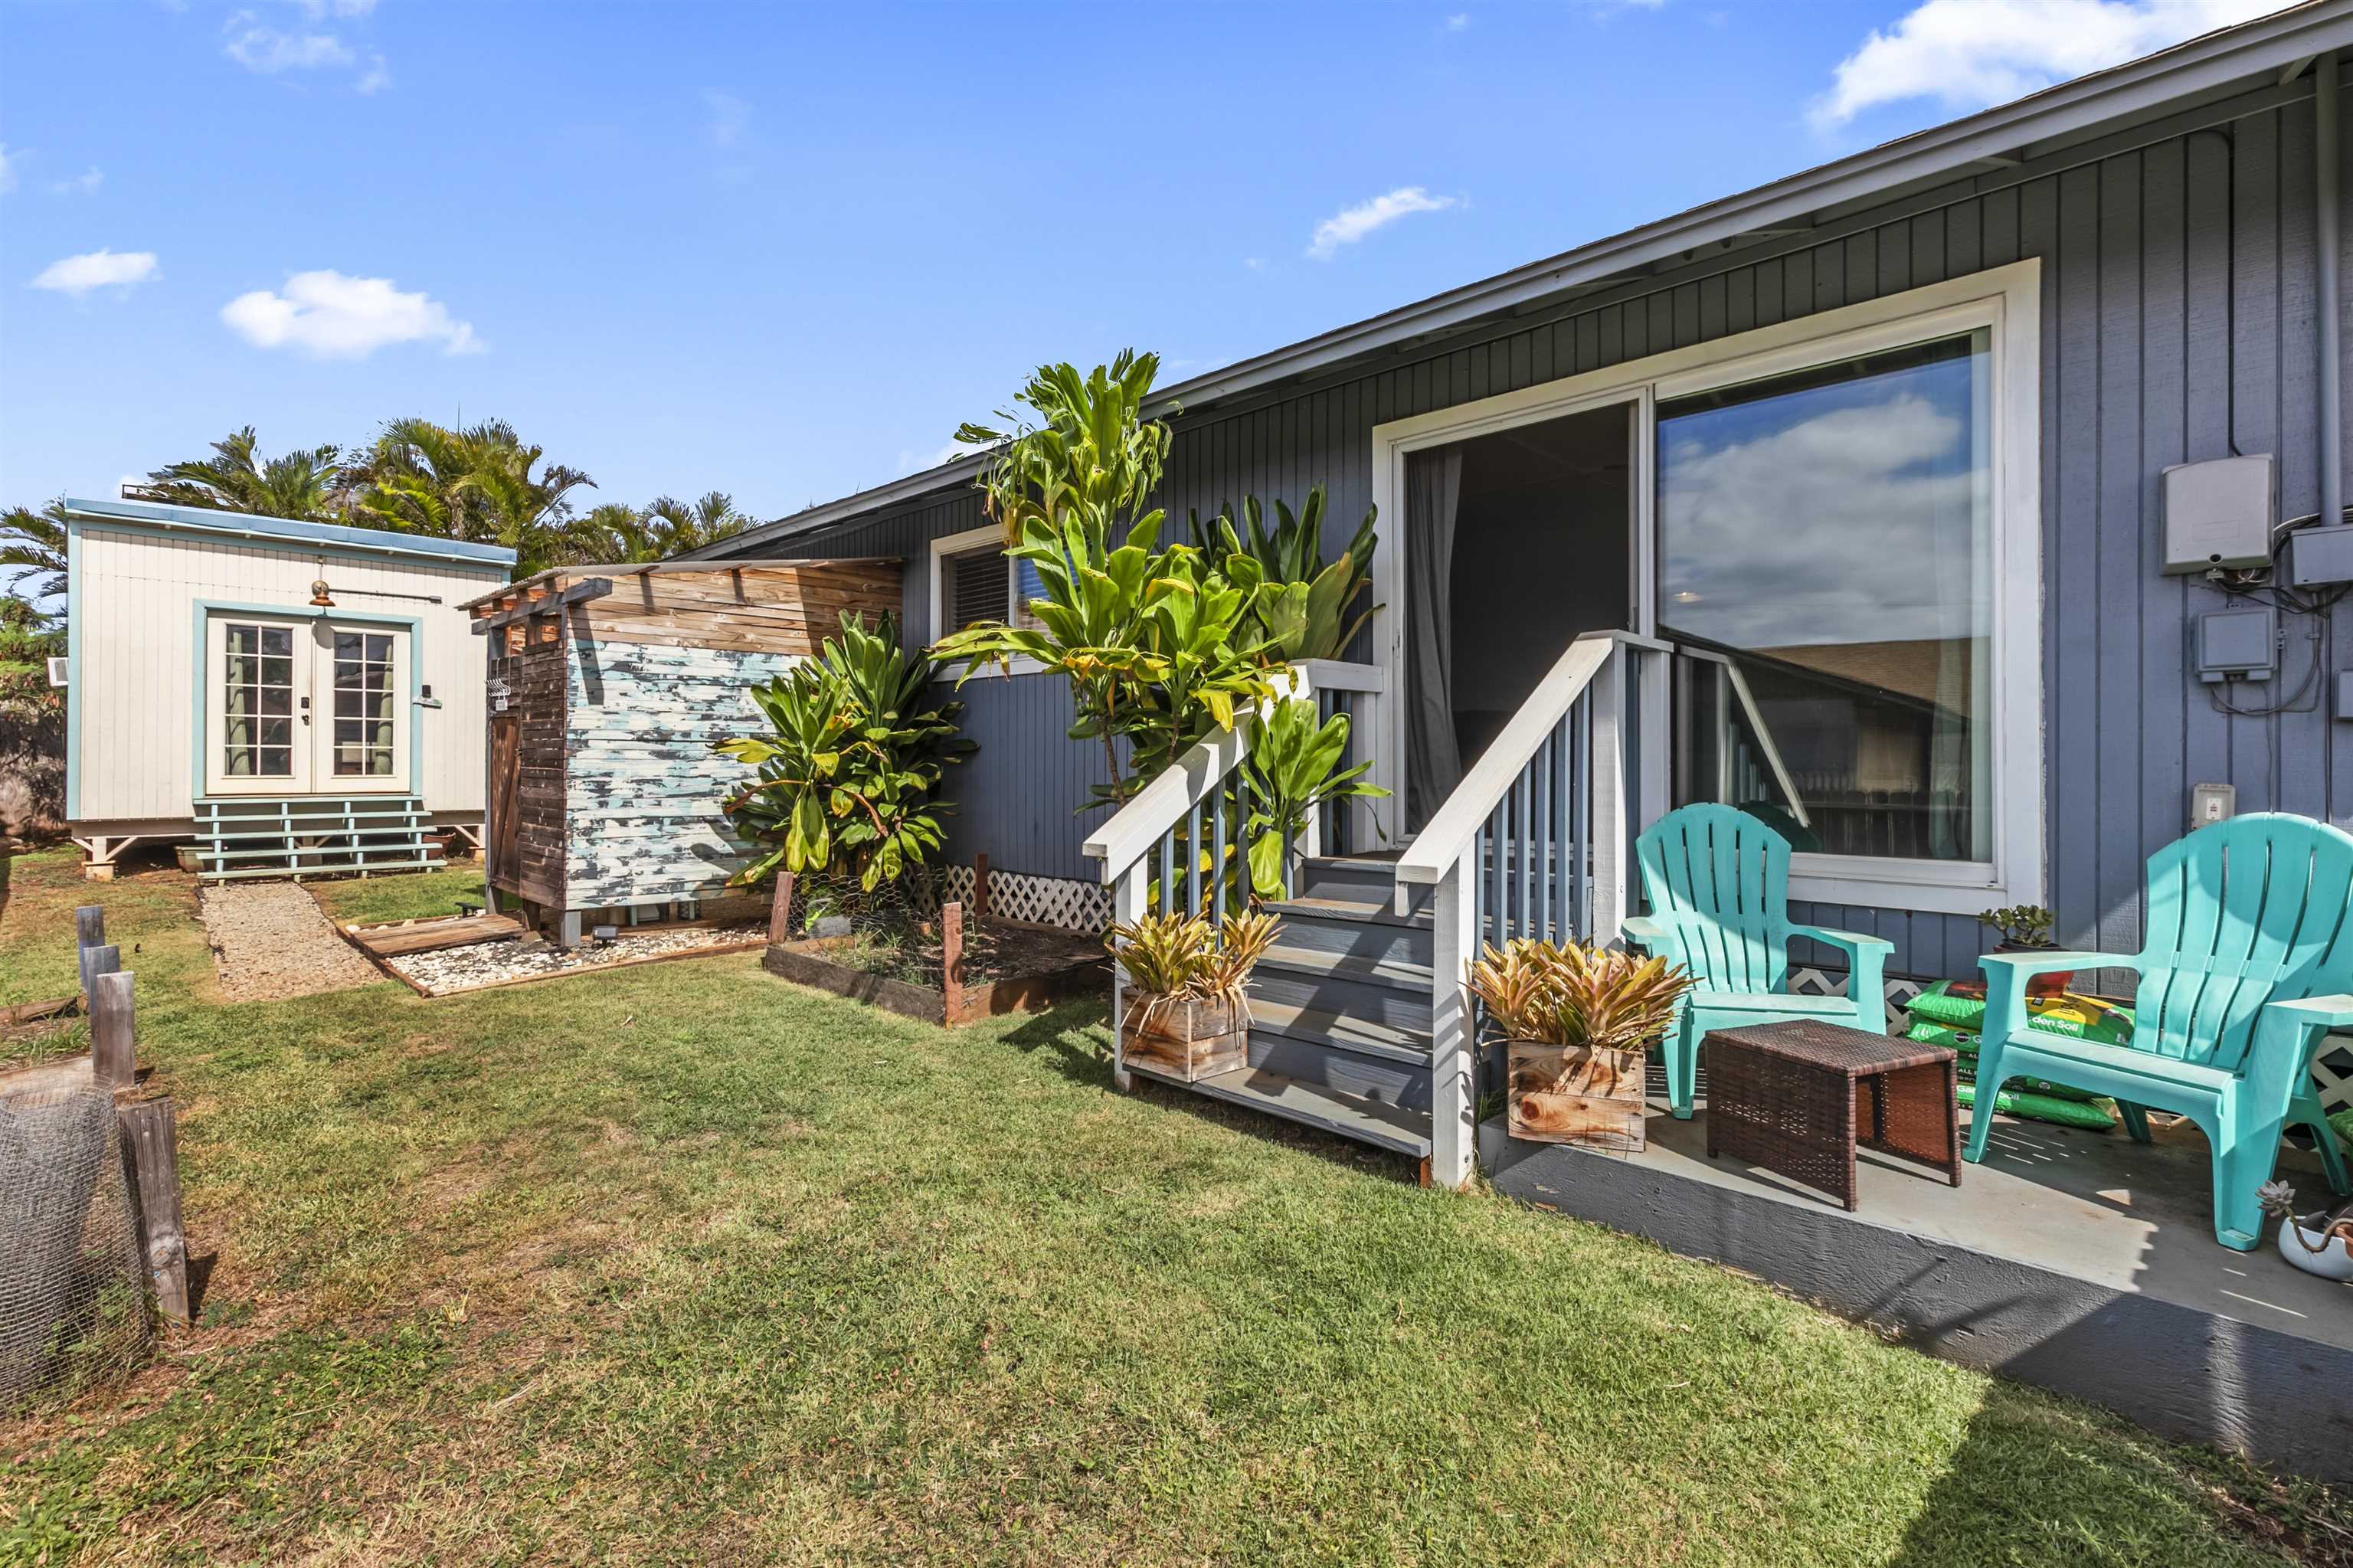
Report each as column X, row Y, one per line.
column 89, row 927
column 97, row 961
column 153, row 1134
column 780, row 909
column 952, row 959
column 113, row 1050
column 980, row 885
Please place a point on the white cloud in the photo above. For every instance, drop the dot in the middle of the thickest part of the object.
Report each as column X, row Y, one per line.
column 318, row 9
column 78, row 275
column 913, row 461
column 9, row 163
column 1967, row 54
column 331, row 317
column 731, row 117
column 1347, row 226
column 266, row 50
column 376, row 79
column 83, row 183
column 1458, row 21
column 1255, row 263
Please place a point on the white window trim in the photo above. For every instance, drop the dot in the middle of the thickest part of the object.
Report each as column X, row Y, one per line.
column 2008, row 302
column 960, row 543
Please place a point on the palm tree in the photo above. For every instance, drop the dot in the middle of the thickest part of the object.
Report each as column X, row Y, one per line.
column 665, row 527
column 474, row 483
column 305, row 484
column 33, row 544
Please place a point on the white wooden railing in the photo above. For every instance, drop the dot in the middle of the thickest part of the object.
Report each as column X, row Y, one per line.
column 1203, row 802
column 1537, row 840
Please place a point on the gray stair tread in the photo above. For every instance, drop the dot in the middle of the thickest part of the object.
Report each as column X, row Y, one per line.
column 1319, row 1026
column 1398, row 974
column 1370, row 911
column 1366, row 1122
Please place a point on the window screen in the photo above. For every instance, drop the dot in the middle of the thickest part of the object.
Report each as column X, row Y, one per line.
column 974, row 589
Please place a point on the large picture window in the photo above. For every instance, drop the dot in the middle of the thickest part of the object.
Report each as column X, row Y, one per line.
column 1827, row 533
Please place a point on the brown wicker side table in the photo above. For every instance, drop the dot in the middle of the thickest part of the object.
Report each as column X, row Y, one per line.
column 1798, row 1097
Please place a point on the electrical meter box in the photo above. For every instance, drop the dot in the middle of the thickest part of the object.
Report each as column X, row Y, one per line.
column 2217, row 515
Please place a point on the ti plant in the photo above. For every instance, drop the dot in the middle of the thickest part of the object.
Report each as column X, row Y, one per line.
column 852, row 766
column 1303, row 604
column 2025, row 925
column 1158, row 646
column 1293, row 769
column 1568, row 994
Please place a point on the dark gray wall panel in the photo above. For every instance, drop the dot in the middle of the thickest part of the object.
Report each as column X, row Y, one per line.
column 2178, row 281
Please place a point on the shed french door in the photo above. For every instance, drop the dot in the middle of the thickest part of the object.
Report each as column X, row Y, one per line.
column 305, row 707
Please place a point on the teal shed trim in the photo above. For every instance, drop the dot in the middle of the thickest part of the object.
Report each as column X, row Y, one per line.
column 364, row 542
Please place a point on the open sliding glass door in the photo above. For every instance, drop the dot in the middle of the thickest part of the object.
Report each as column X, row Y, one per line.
column 305, row 707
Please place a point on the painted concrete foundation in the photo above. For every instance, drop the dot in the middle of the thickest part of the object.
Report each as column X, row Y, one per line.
column 2076, row 1261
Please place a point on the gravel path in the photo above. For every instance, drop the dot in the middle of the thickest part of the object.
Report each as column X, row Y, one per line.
column 487, row 963
column 270, row 939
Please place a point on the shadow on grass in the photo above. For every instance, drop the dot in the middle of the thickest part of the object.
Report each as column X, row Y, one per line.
column 2036, row 1476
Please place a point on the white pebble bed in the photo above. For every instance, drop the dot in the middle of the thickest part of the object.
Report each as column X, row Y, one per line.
column 528, row 957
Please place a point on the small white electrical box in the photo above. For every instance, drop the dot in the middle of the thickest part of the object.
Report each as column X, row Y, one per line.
column 2217, row 515
column 58, row 668
column 2211, row 803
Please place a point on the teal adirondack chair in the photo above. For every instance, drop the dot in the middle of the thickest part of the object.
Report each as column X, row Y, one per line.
column 2250, row 923
column 1718, row 884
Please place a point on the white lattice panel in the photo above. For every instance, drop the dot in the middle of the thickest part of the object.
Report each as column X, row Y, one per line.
column 2334, row 1073
column 1060, row 901
column 1899, row 989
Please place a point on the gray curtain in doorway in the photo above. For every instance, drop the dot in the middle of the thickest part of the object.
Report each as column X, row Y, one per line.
column 1433, row 491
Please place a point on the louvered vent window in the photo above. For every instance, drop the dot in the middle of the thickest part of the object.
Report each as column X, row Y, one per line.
column 975, row 589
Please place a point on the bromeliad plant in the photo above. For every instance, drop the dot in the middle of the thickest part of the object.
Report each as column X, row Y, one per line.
column 1564, row 993
column 1301, row 605
column 1175, row 955
column 852, row 766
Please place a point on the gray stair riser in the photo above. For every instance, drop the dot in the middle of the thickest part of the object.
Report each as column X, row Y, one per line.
column 1367, row 883
column 1375, row 942
column 1390, row 1006
column 1388, row 1083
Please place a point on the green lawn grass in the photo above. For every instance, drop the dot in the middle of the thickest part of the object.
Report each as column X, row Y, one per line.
column 372, row 900
column 685, row 1264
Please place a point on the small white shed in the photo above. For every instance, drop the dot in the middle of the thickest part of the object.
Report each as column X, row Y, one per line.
column 296, row 697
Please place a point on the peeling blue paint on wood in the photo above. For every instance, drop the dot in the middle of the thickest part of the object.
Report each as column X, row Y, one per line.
column 642, row 786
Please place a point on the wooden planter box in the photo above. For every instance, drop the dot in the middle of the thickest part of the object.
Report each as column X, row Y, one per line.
column 806, row 962
column 1584, row 1094
column 1184, row 1038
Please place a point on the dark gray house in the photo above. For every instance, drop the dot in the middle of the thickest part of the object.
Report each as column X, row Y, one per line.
column 1868, row 466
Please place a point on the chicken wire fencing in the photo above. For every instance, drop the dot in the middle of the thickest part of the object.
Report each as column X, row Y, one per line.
column 73, row 1289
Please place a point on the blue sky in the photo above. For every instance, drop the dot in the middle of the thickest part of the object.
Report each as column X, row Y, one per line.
column 783, row 251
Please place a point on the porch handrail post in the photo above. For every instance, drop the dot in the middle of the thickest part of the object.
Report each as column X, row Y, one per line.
column 1652, row 670
column 1128, row 899
column 1453, row 1100
column 1610, row 838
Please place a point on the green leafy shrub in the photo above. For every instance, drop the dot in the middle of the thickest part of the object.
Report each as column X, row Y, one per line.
column 1301, row 606
column 851, row 767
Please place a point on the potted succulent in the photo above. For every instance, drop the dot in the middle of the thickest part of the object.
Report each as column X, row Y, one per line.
column 1186, row 1016
column 2026, row 928
column 1576, row 1024
column 2316, row 1243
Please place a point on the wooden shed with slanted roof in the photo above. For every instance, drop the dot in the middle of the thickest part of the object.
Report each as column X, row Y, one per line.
column 607, row 686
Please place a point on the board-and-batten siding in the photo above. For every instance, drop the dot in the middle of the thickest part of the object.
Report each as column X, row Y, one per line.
column 134, row 678
column 2178, row 289
column 643, row 790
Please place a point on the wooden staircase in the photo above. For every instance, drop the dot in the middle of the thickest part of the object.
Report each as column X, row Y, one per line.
column 243, row 839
